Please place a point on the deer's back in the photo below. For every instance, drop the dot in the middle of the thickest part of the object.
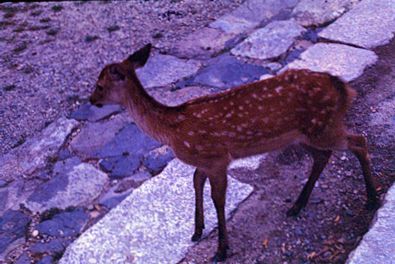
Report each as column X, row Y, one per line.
column 258, row 117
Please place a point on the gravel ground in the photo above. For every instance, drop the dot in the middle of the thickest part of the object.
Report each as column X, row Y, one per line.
column 52, row 52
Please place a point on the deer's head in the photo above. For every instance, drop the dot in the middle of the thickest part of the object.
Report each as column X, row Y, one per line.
column 116, row 79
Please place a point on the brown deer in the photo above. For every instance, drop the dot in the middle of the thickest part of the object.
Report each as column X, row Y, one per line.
column 297, row 106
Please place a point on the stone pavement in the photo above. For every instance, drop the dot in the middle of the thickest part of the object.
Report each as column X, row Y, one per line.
column 59, row 184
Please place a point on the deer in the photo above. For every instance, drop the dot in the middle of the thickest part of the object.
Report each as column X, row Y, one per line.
column 295, row 107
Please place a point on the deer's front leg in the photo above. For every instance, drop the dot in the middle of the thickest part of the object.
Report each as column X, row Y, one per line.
column 199, row 178
column 218, row 184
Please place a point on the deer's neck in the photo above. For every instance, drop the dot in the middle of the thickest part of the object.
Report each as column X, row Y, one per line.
column 148, row 114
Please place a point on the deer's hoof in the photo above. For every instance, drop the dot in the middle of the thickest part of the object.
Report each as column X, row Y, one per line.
column 373, row 204
column 196, row 237
column 220, row 256
column 294, row 211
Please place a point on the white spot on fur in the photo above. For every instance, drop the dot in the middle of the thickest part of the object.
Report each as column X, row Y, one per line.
column 187, row 144
column 199, row 147
column 278, row 89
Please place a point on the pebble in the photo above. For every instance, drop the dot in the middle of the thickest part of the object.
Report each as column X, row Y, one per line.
column 94, row 214
column 35, row 233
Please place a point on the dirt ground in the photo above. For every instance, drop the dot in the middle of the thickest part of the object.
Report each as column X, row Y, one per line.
column 335, row 218
column 51, row 53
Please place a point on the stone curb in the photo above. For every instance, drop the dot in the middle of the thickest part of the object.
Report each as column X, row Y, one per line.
column 378, row 244
column 140, row 228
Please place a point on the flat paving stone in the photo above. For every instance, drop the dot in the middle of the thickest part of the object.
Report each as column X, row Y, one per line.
column 180, row 96
column 23, row 259
column 162, row 70
column 46, row 260
column 201, row 44
column 156, row 160
column 250, row 163
column 95, row 136
column 121, row 166
column 319, row 12
column 34, row 153
column 64, row 224
column 378, row 245
column 271, row 41
column 88, row 112
column 340, row 60
column 123, row 155
column 73, row 184
column 370, row 24
column 154, row 224
column 55, row 246
column 250, row 14
column 13, row 225
column 226, row 71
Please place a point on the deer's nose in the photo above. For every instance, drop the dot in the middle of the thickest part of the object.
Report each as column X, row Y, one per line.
column 92, row 100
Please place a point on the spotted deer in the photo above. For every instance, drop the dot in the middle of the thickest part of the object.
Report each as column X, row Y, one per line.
column 297, row 106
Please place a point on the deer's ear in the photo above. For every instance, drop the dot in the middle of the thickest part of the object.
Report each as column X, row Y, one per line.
column 140, row 57
column 116, row 73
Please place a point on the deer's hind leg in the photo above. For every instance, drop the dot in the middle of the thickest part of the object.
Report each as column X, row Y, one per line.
column 320, row 158
column 357, row 144
column 337, row 139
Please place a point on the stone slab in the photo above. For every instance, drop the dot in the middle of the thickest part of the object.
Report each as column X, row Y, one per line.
column 201, row 44
column 226, row 71
column 130, row 140
column 120, row 166
column 269, row 42
column 250, row 14
column 340, row 60
column 156, row 160
column 378, row 244
column 34, row 153
column 92, row 113
column 13, row 225
column 94, row 136
column 371, row 23
column 73, row 184
column 152, row 225
column 162, row 70
column 319, row 12
column 65, row 224
column 249, row 163
column 180, row 96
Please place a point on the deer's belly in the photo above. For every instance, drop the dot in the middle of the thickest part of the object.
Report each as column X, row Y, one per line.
column 265, row 144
